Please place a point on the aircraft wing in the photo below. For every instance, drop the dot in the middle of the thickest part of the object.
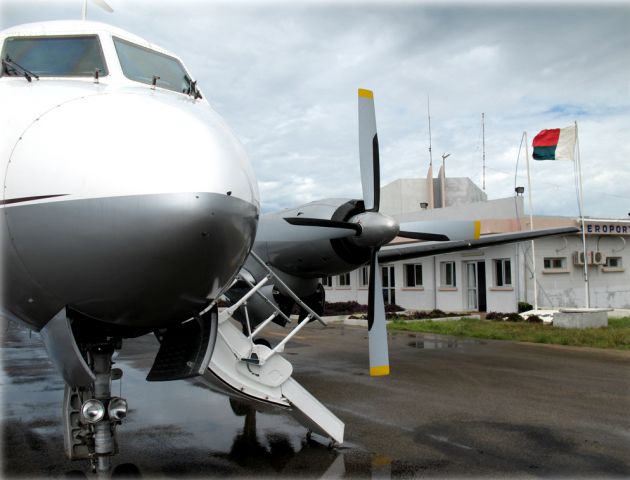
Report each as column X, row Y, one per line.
column 393, row 253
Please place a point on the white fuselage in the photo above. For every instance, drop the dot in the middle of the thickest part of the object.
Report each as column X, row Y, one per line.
column 117, row 193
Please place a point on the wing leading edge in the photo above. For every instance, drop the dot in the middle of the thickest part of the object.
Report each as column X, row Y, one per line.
column 393, row 253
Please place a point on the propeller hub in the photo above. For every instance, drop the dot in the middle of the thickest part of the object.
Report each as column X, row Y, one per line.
column 376, row 229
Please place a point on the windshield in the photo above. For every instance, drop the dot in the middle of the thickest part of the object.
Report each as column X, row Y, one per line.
column 142, row 65
column 67, row 56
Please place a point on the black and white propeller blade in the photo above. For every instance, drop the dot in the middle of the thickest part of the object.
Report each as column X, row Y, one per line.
column 293, row 230
column 322, row 222
column 382, row 231
column 441, row 230
column 368, row 151
column 377, row 331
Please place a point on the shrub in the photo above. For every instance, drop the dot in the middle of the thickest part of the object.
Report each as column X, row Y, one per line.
column 393, row 308
column 524, row 307
column 344, row 308
column 534, row 319
column 504, row 317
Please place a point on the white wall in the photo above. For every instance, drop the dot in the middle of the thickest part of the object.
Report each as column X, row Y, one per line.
column 419, row 298
column 403, row 195
column 608, row 288
column 453, row 299
column 501, row 299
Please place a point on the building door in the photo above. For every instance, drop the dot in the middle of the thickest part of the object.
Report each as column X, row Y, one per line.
column 472, row 300
column 481, row 286
column 476, row 286
column 389, row 285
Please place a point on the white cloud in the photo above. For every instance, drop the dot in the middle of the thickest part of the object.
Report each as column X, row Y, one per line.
column 285, row 75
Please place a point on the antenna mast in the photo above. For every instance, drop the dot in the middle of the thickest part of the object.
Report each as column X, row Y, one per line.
column 483, row 148
column 429, row 115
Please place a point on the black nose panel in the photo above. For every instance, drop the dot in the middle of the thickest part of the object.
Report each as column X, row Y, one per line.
column 146, row 260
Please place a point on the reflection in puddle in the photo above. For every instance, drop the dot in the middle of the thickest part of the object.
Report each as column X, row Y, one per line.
column 433, row 344
column 176, row 429
column 254, row 448
column 429, row 342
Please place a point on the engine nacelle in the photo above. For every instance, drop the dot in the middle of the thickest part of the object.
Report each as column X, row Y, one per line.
column 276, row 243
column 299, row 261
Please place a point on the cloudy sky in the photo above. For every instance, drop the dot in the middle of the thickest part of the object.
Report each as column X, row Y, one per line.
column 284, row 76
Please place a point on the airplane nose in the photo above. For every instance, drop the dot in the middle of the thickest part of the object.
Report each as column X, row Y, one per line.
column 153, row 206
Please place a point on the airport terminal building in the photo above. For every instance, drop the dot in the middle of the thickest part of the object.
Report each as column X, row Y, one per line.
column 494, row 278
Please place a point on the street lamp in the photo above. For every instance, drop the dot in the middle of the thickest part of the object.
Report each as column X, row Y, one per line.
column 443, row 179
column 444, row 157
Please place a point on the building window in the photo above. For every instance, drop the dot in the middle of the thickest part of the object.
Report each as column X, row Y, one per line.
column 413, row 275
column 343, row 280
column 388, row 277
column 364, row 277
column 613, row 262
column 327, row 281
column 503, row 272
column 447, row 274
column 555, row 263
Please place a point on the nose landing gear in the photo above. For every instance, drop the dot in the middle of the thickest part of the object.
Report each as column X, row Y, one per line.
column 91, row 414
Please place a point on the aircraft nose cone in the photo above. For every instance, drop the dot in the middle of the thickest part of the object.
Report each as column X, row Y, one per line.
column 131, row 143
column 155, row 206
column 376, row 229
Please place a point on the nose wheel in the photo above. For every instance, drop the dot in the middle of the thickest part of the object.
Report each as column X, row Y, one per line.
column 92, row 414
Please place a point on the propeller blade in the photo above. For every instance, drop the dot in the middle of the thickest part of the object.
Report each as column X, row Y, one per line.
column 377, row 331
column 434, row 237
column 441, row 230
column 368, row 151
column 276, row 229
column 322, row 222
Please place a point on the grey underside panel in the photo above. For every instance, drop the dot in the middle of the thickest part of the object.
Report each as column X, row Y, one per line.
column 145, row 260
column 427, row 249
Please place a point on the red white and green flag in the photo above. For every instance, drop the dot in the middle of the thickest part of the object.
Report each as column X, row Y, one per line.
column 555, row 144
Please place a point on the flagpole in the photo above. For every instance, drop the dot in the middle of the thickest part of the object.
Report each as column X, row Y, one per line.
column 531, row 222
column 581, row 205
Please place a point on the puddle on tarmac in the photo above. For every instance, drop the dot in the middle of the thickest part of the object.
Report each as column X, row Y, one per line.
column 173, row 429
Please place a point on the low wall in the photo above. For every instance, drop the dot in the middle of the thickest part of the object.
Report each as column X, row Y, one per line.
column 581, row 317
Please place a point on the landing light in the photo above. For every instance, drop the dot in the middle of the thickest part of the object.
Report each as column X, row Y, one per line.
column 117, row 408
column 93, row 410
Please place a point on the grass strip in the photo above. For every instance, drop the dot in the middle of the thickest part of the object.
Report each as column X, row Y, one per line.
column 616, row 335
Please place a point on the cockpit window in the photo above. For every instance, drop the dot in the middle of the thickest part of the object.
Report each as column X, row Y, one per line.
column 58, row 56
column 144, row 65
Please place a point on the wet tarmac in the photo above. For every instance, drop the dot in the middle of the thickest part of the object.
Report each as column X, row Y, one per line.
column 452, row 407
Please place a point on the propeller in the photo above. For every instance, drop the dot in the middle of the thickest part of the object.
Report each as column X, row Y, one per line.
column 372, row 229
column 380, row 226
column 368, row 152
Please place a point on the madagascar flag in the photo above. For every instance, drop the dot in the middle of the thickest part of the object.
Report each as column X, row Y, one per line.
column 555, row 144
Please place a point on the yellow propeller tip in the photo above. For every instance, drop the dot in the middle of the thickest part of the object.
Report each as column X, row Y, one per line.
column 366, row 93
column 379, row 371
column 477, row 229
